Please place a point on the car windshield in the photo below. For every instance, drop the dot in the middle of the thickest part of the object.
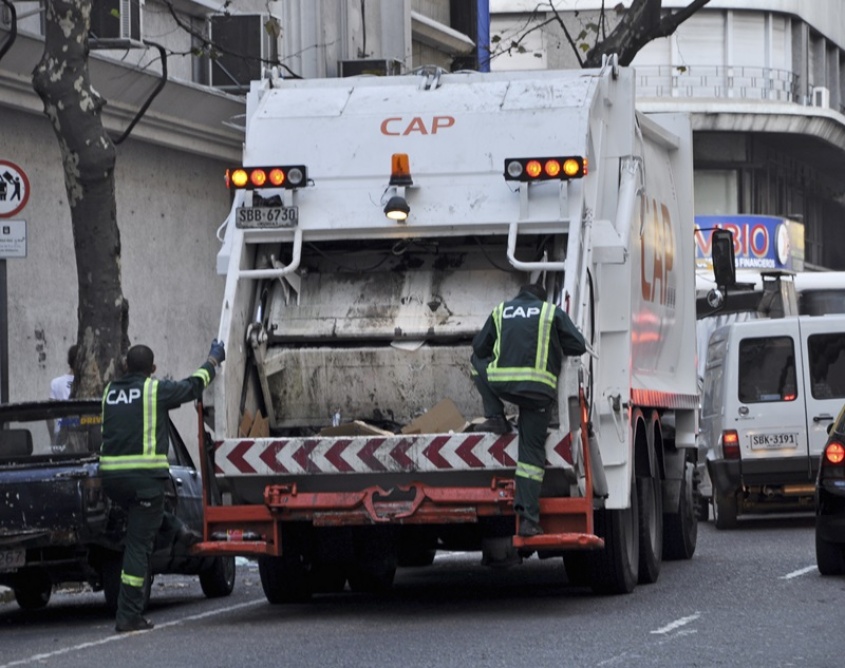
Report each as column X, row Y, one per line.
column 50, row 429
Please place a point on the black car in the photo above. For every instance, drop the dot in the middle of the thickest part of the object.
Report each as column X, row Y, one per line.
column 56, row 524
column 830, row 502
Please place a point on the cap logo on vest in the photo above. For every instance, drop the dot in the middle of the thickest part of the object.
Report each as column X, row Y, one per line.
column 519, row 312
column 122, row 397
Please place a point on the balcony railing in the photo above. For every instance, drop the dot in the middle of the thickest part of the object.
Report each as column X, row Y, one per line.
column 744, row 83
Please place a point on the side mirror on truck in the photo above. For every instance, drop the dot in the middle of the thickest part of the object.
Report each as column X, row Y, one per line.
column 724, row 267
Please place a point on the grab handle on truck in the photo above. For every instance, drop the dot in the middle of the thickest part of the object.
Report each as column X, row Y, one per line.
column 527, row 266
column 278, row 269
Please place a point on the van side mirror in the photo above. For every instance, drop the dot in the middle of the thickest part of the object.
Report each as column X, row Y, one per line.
column 724, row 262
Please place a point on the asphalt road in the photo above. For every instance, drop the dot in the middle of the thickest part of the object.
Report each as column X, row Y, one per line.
column 750, row 597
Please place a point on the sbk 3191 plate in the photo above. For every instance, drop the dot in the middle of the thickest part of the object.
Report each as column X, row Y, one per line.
column 773, row 441
column 251, row 217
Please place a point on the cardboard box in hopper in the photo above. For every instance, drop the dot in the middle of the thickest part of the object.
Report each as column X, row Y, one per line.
column 442, row 418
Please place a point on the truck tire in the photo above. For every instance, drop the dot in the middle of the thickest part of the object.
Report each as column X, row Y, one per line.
column 680, row 530
column 651, row 529
column 33, row 588
column 218, row 580
column 830, row 557
column 615, row 568
column 284, row 579
column 725, row 510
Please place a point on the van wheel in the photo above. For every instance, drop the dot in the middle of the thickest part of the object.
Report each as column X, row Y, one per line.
column 680, row 530
column 725, row 510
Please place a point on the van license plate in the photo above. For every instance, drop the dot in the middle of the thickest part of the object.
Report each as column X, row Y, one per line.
column 253, row 217
column 766, row 441
column 12, row 559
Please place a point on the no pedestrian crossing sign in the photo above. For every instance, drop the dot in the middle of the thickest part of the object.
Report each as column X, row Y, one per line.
column 14, row 189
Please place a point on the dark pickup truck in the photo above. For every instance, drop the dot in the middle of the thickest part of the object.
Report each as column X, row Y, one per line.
column 56, row 524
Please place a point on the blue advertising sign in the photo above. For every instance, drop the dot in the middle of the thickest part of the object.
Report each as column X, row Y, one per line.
column 764, row 243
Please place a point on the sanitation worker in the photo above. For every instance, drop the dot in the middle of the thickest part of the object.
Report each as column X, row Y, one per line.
column 517, row 357
column 135, row 470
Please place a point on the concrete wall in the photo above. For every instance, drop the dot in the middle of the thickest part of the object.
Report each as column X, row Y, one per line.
column 169, row 205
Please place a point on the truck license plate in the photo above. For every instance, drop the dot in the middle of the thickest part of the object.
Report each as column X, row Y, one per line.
column 12, row 559
column 774, row 441
column 252, row 217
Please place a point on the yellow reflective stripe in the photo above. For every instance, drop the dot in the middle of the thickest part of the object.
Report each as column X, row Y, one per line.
column 148, row 442
column 497, row 344
column 203, row 375
column 517, row 374
column 544, row 330
column 529, row 471
column 131, row 580
column 120, row 463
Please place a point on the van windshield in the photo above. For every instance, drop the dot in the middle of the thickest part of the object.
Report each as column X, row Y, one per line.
column 827, row 365
column 767, row 370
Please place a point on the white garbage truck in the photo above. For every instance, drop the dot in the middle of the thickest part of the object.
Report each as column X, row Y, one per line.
column 375, row 223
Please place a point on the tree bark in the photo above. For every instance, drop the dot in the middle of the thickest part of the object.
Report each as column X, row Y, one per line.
column 63, row 83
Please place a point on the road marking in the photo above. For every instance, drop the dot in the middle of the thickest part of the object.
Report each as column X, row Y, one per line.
column 123, row 636
column 798, row 573
column 678, row 623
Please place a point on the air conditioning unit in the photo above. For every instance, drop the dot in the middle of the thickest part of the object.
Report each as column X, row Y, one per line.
column 117, row 21
column 821, row 97
column 244, row 47
column 351, row 68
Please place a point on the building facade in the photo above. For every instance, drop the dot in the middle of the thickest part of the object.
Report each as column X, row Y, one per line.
column 171, row 159
column 763, row 82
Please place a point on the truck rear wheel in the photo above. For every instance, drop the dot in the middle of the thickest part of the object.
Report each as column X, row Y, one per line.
column 284, row 579
column 725, row 509
column 615, row 569
column 680, row 530
column 651, row 530
column 33, row 588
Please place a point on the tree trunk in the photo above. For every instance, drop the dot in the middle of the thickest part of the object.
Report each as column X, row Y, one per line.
column 63, row 83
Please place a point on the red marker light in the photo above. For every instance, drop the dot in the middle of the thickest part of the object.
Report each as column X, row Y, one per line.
column 835, row 453
column 258, row 177
column 730, row 444
column 277, row 176
column 533, row 168
column 552, row 168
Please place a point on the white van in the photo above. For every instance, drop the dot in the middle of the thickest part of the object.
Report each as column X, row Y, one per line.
column 771, row 388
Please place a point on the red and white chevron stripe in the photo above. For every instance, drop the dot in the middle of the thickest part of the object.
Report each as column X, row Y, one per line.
column 378, row 454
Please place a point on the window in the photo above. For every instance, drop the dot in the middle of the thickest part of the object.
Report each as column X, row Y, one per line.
column 244, row 46
column 827, row 365
column 767, row 370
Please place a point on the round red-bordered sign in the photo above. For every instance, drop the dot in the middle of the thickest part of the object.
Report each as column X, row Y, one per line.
column 14, row 189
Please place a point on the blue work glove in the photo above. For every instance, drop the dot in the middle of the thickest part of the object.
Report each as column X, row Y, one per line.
column 217, row 353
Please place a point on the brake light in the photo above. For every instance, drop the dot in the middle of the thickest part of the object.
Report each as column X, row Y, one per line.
column 545, row 169
column 834, row 453
column 290, row 177
column 730, row 444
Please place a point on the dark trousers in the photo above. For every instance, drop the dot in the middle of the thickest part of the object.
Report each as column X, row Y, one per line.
column 533, row 425
column 142, row 497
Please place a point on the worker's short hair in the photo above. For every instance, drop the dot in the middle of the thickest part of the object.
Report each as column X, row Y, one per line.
column 71, row 355
column 535, row 289
column 139, row 359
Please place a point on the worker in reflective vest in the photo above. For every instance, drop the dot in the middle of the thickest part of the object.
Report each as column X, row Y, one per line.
column 135, row 469
column 517, row 357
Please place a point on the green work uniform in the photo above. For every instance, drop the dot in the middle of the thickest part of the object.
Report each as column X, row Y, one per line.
column 517, row 357
column 135, row 469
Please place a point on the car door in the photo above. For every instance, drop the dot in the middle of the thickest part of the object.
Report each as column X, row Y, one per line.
column 770, row 416
column 823, row 340
column 186, row 480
